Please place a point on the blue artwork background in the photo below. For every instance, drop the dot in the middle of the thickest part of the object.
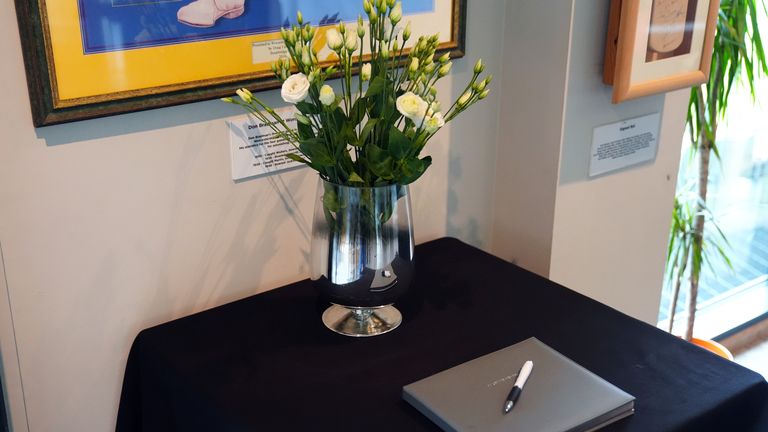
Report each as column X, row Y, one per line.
column 114, row 25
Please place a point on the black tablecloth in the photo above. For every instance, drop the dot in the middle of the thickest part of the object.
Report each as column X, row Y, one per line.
column 267, row 363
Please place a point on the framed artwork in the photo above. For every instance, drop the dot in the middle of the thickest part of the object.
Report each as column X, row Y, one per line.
column 655, row 46
column 93, row 58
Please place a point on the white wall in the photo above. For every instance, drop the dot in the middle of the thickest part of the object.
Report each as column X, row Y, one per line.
column 9, row 364
column 533, row 95
column 109, row 226
column 604, row 237
column 610, row 232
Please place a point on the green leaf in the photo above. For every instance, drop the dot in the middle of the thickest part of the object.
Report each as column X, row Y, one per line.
column 339, row 118
column 376, row 86
column 316, row 151
column 347, row 136
column 379, row 161
column 399, row 144
column 331, row 200
column 411, row 169
column 305, row 131
column 369, row 125
column 307, row 108
column 357, row 112
column 354, row 178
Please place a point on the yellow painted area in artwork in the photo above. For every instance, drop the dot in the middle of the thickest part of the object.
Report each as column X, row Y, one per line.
column 139, row 71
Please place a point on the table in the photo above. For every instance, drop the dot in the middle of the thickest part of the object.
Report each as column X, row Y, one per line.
column 267, row 363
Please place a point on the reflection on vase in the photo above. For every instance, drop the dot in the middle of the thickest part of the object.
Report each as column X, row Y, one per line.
column 362, row 255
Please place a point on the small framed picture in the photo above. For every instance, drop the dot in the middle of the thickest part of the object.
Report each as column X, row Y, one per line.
column 655, row 46
column 93, row 58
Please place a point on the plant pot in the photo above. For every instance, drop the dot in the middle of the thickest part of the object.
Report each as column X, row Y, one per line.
column 362, row 255
column 713, row 347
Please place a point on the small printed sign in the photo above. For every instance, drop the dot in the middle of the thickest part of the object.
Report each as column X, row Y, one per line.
column 269, row 49
column 257, row 149
column 624, row 144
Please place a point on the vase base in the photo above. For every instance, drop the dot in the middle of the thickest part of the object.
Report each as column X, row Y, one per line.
column 362, row 321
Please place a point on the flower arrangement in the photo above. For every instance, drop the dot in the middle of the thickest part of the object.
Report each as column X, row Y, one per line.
column 373, row 133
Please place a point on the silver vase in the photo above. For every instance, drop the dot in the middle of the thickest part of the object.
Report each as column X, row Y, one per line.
column 362, row 255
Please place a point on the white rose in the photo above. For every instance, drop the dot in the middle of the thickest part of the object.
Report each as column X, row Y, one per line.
column 413, row 107
column 335, row 41
column 433, row 123
column 327, row 96
column 295, row 88
column 365, row 72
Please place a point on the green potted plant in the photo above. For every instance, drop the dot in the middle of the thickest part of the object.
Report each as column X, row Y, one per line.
column 366, row 144
column 738, row 57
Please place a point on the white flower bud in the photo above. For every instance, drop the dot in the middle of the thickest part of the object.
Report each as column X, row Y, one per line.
column 407, row 32
column 327, row 96
column 444, row 58
column 414, row 66
column 351, row 42
column 444, row 69
column 479, row 67
column 299, row 18
column 313, row 76
column 335, row 41
column 360, row 27
column 396, row 13
column 434, row 106
column 305, row 57
column 484, row 94
column 365, row 72
column 464, row 99
column 302, row 118
column 244, row 95
column 479, row 87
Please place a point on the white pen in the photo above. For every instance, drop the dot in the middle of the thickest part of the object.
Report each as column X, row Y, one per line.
column 514, row 394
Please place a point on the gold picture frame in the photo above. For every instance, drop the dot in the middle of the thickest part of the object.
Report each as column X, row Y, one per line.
column 79, row 68
column 655, row 46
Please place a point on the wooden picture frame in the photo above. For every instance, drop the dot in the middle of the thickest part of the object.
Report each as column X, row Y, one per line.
column 73, row 75
column 655, row 46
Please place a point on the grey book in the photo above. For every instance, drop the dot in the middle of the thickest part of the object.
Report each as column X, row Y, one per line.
column 559, row 396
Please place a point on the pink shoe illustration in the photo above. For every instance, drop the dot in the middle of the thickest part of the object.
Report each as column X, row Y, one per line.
column 205, row 13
